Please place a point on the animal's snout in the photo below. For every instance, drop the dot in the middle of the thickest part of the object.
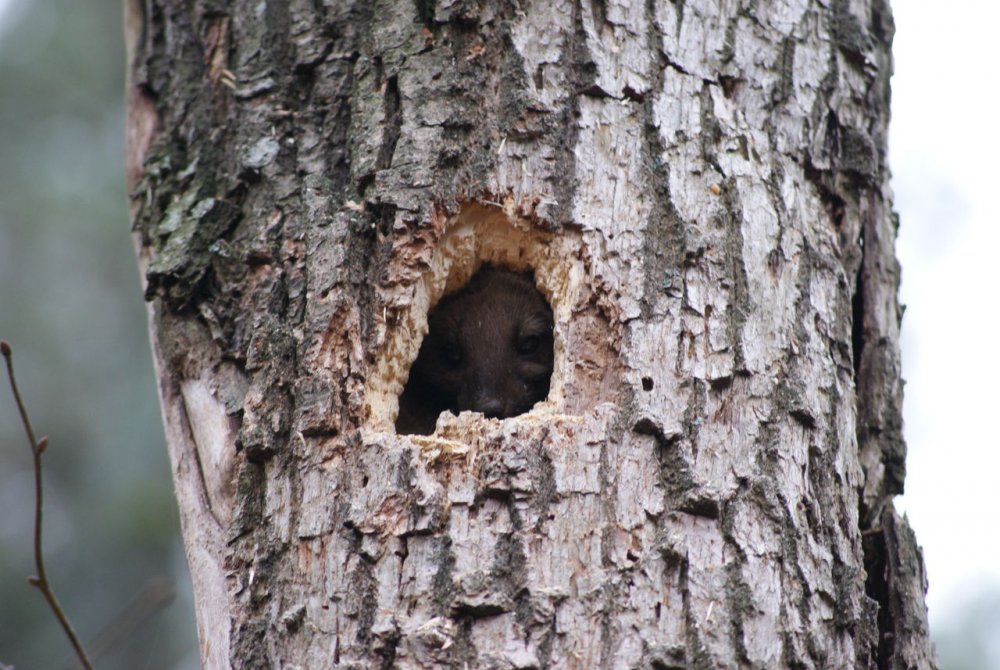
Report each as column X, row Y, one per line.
column 491, row 407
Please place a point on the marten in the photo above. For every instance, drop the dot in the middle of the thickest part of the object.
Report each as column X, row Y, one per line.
column 488, row 349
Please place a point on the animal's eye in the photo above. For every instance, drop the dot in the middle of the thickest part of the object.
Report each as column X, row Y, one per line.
column 528, row 345
column 453, row 354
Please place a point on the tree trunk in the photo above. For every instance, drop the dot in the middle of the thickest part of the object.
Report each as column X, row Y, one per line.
column 701, row 191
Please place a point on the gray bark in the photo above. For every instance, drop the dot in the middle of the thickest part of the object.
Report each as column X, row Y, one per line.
column 702, row 193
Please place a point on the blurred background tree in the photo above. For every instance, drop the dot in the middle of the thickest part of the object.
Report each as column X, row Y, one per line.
column 71, row 307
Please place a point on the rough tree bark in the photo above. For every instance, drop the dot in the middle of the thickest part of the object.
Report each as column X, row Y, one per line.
column 702, row 192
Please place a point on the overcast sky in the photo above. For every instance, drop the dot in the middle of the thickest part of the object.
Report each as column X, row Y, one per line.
column 943, row 140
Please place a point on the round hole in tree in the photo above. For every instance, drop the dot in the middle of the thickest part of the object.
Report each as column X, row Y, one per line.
column 488, row 349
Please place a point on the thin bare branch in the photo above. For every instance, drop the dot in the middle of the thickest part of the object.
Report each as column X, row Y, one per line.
column 40, row 580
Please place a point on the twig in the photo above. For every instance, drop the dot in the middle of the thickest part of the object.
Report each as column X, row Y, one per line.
column 37, row 448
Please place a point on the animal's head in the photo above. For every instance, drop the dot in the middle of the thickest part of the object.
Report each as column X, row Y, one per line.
column 489, row 346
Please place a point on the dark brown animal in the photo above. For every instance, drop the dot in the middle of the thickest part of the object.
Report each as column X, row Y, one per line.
column 488, row 349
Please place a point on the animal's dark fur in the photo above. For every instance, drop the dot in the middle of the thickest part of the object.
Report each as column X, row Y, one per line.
column 488, row 349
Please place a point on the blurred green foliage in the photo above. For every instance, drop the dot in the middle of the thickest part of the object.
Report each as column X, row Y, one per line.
column 71, row 307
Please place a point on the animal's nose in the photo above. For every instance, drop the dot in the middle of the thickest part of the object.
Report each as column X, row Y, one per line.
column 491, row 408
